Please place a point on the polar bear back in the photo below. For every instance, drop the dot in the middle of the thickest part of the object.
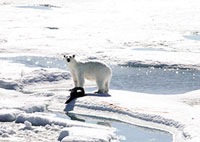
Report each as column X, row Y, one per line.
column 94, row 70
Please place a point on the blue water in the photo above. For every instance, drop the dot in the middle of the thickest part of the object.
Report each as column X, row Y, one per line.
column 38, row 61
column 137, row 79
column 131, row 133
column 193, row 37
column 138, row 134
column 35, row 7
column 155, row 80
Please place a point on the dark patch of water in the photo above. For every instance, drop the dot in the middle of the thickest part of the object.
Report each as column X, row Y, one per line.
column 52, row 28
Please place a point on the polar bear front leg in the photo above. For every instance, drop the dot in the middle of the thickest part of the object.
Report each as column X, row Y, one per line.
column 80, row 80
column 75, row 80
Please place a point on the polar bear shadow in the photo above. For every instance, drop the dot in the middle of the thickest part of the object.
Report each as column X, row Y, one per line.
column 98, row 94
column 70, row 106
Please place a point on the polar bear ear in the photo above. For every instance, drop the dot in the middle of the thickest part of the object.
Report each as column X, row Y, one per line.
column 73, row 56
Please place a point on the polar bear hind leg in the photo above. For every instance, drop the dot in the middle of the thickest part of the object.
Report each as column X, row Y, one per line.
column 107, row 86
column 100, row 86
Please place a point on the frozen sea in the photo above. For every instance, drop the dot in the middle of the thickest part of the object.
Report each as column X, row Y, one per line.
column 152, row 47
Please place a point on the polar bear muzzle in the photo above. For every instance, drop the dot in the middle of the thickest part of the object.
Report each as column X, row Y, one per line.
column 68, row 58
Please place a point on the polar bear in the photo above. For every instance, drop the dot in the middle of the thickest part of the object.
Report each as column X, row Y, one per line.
column 91, row 70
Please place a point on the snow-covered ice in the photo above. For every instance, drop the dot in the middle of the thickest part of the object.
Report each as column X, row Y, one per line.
column 166, row 112
column 145, row 35
column 20, row 118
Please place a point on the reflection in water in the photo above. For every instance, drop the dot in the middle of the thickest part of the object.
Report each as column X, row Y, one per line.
column 74, row 117
column 130, row 132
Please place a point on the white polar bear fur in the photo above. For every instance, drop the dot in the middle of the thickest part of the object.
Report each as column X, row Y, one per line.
column 91, row 70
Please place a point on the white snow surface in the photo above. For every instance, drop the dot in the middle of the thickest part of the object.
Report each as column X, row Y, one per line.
column 136, row 33
column 38, row 120
column 96, row 135
column 151, row 32
column 177, row 114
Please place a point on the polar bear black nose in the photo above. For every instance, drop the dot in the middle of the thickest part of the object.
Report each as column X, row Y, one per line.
column 68, row 60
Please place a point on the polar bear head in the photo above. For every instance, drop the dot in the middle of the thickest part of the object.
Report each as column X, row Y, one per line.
column 70, row 60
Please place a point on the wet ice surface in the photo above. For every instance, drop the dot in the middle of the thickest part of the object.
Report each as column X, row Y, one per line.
column 149, row 49
column 139, row 134
column 155, row 80
column 129, row 132
column 193, row 36
column 37, row 61
column 35, row 7
column 138, row 79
